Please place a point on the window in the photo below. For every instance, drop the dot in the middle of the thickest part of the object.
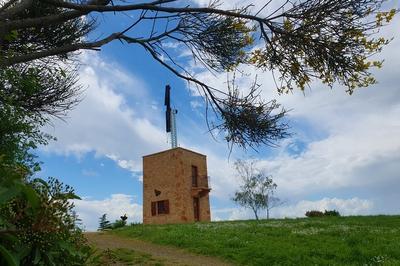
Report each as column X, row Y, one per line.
column 159, row 207
column 194, row 176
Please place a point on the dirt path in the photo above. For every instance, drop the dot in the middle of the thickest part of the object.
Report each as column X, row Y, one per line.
column 169, row 255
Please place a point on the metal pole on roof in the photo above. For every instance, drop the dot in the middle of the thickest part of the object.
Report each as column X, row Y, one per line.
column 174, row 135
column 170, row 116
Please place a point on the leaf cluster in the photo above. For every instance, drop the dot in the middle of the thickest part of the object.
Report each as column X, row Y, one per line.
column 220, row 42
column 37, row 224
column 325, row 40
column 16, row 42
column 248, row 121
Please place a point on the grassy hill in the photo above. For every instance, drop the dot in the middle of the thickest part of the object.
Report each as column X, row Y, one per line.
column 368, row 240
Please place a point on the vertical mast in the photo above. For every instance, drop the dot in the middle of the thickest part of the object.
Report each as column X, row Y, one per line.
column 170, row 118
column 174, row 137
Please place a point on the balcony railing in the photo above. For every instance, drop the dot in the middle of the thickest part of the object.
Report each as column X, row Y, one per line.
column 202, row 181
column 202, row 188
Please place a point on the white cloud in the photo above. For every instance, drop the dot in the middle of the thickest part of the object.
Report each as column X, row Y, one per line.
column 115, row 206
column 352, row 206
column 109, row 121
column 343, row 144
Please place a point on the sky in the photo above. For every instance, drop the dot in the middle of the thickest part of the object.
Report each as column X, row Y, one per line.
column 344, row 153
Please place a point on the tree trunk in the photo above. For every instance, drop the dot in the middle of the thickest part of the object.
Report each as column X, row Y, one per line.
column 267, row 213
column 255, row 213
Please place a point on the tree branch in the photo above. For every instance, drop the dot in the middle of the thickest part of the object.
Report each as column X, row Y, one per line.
column 6, row 12
column 59, row 50
column 83, row 9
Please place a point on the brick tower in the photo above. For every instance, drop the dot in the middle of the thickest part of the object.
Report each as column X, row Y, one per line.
column 175, row 187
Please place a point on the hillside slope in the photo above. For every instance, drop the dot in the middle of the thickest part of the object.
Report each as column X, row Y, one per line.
column 368, row 240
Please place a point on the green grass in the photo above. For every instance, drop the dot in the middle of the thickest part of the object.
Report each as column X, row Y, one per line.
column 368, row 240
column 124, row 256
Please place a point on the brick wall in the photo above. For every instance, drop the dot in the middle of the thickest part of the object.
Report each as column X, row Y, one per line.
column 169, row 173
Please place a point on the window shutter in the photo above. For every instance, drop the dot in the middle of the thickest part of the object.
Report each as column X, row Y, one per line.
column 166, row 206
column 153, row 209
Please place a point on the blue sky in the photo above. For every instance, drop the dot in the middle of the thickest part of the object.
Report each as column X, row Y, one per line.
column 345, row 153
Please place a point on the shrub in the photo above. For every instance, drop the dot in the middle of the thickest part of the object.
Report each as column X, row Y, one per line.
column 118, row 224
column 38, row 226
column 314, row 213
column 332, row 213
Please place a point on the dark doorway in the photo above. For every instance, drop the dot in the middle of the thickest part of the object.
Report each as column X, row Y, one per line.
column 196, row 209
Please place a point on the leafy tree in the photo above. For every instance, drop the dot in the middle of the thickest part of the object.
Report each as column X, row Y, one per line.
column 256, row 189
column 37, row 222
column 299, row 41
column 104, row 223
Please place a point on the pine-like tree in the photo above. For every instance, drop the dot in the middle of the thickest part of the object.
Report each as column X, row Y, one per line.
column 104, row 223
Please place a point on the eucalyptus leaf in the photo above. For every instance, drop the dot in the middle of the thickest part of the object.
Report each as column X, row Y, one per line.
column 9, row 258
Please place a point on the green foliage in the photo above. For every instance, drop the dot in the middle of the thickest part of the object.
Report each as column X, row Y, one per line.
column 326, row 213
column 368, row 240
column 330, row 41
column 35, row 39
column 256, row 187
column 39, row 89
column 118, row 224
column 314, row 214
column 331, row 213
column 218, row 41
column 19, row 134
column 249, row 122
column 37, row 224
column 104, row 223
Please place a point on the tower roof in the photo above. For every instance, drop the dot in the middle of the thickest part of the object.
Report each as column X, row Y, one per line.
column 172, row 150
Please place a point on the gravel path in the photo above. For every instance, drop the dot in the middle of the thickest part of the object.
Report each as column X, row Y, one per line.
column 169, row 255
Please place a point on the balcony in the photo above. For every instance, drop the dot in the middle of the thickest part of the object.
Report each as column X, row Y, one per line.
column 201, row 187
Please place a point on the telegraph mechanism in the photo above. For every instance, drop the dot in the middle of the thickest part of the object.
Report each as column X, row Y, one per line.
column 170, row 118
